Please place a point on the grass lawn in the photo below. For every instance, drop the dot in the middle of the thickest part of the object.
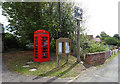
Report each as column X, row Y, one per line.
column 16, row 59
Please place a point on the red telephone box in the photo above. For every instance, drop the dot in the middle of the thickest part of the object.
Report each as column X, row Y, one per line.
column 41, row 46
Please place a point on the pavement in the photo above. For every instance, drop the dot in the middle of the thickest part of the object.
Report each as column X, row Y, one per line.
column 106, row 73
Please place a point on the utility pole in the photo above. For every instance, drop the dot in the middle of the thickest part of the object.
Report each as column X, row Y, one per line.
column 59, row 31
column 59, row 12
column 78, row 41
column 78, row 17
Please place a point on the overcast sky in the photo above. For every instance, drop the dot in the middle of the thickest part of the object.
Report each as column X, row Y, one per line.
column 102, row 15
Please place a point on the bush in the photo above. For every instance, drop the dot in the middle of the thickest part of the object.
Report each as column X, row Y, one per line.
column 73, row 46
column 111, row 41
column 118, row 43
column 98, row 47
column 10, row 41
column 30, row 46
column 52, row 45
column 92, row 47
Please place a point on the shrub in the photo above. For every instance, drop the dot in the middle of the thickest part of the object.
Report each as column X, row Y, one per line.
column 30, row 46
column 98, row 47
column 118, row 43
column 111, row 41
column 73, row 46
column 10, row 41
column 52, row 45
column 92, row 47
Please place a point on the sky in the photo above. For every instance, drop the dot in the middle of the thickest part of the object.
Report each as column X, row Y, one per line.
column 101, row 15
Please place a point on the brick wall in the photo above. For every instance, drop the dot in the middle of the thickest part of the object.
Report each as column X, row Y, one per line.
column 97, row 58
column 107, row 54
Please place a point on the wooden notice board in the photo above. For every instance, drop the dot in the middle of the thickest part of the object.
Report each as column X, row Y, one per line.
column 63, row 46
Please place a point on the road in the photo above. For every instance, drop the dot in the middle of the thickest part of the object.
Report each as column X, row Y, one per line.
column 106, row 73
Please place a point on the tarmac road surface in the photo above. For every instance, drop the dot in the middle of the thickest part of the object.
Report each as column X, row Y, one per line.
column 106, row 73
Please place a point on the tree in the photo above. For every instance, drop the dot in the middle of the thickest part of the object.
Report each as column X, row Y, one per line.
column 116, row 36
column 97, row 36
column 118, row 43
column 25, row 18
column 10, row 41
column 111, row 41
column 103, row 35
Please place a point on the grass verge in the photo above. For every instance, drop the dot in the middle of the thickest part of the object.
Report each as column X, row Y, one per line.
column 17, row 59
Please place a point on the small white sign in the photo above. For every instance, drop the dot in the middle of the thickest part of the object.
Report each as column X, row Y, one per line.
column 60, row 47
column 32, row 69
column 67, row 47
